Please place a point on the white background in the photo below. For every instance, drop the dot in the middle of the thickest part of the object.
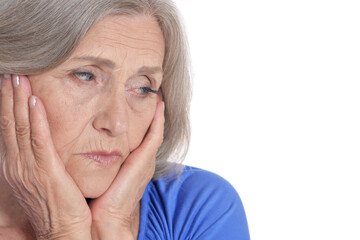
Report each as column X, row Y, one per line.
column 276, row 111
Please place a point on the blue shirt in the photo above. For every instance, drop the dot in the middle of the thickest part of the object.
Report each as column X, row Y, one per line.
column 197, row 205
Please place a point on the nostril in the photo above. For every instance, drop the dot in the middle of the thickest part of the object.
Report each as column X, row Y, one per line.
column 111, row 123
column 105, row 130
column 114, row 130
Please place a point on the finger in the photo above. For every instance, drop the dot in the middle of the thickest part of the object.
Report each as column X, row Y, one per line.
column 146, row 152
column 41, row 141
column 22, row 92
column 7, row 122
column 155, row 135
column 160, row 96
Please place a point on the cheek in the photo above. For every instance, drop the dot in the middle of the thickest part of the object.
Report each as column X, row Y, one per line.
column 64, row 121
column 65, row 126
column 63, row 115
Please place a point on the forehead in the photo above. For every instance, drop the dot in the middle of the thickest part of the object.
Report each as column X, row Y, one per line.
column 118, row 37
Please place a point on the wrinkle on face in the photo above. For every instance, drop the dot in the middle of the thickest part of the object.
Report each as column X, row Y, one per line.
column 134, row 35
column 78, row 111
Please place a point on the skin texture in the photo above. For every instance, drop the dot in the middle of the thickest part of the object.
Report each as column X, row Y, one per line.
column 104, row 109
column 103, row 115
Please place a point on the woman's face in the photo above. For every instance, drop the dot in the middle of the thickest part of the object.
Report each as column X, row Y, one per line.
column 99, row 99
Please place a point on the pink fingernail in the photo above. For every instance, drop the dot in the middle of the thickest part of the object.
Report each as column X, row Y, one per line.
column 32, row 101
column 16, row 80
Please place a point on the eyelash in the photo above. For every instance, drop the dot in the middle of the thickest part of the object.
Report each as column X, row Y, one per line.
column 148, row 90
column 77, row 73
column 144, row 90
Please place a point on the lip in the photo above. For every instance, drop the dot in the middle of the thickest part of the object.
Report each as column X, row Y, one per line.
column 103, row 158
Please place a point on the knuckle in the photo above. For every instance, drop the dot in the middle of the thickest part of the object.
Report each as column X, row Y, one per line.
column 15, row 170
column 38, row 141
column 19, row 179
column 159, row 141
column 22, row 130
column 6, row 123
column 9, row 173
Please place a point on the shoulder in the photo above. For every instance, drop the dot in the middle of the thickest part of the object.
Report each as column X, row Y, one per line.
column 199, row 182
column 203, row 186
column 200, row 205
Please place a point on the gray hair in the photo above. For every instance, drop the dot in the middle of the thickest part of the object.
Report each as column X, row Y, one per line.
column 36, row 36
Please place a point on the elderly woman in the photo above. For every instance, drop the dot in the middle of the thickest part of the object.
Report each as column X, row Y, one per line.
column 88, row 148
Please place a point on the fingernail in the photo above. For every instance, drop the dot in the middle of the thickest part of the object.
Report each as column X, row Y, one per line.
column 7, row 76
column 16, row 80
column 32, row 101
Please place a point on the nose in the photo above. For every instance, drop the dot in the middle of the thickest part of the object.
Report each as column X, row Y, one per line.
column 112, row 117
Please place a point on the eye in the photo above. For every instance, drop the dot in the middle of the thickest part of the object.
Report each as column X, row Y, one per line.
column 145, row 90
column 86, row 76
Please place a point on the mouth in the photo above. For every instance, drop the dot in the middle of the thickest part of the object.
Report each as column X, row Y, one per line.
column 103, row 158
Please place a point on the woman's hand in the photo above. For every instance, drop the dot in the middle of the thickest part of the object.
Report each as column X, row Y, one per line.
column 113, row 212
column 33, row 170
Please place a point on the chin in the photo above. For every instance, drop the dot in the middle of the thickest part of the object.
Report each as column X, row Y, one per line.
column 92, row 180
column 93, row 190
column 93, row 185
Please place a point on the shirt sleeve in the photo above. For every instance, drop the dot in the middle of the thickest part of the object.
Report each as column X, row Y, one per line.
column 208, row 207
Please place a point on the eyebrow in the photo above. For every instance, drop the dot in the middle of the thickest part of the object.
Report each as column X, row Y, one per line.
column 101, row 61
column 151, row 70
column 110, row 64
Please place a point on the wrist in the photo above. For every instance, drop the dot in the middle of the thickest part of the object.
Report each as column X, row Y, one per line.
column 112, row 236
column 110, row 232
column 84, row 234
